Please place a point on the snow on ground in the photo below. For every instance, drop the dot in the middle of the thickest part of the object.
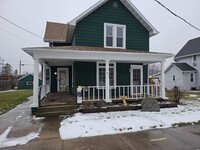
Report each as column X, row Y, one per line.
column 85, row 125
column 6, row 142
column 193, row 95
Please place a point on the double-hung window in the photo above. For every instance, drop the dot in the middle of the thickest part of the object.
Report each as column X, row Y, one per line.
column 191, row 77
column 101, row 74
column 114, row 36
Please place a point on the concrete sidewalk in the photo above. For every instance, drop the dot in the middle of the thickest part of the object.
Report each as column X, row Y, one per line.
column 185, row 138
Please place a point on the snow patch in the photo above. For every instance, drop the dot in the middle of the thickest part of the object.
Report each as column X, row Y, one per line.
column 85, row 125
column 38, row 118
column 192, row 95
column 7, row 142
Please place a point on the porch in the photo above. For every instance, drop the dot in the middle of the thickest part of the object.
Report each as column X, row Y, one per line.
column 93, row 74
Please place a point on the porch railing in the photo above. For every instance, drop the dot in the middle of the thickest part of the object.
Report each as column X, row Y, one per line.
column 43, row 91
column 94, row 93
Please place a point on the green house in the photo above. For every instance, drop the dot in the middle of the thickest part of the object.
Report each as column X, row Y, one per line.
column 26, row 82
column 102, row 54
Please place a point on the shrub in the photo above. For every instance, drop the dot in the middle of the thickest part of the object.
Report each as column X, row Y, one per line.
column 175, row 94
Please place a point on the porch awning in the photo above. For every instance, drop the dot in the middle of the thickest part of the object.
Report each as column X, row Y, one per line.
column 96, row 54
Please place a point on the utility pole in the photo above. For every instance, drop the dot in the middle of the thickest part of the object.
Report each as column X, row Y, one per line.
column 1, row 64
column 20, row 67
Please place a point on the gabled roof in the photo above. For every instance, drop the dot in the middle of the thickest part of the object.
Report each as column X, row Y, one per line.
column 192, row 47
column 58, row 32
column 184, row 67
column 24, row 76
column 127, row 3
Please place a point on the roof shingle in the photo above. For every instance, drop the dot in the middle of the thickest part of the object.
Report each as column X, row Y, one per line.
column 184, row 67
column 191, row 47
column 58, row 32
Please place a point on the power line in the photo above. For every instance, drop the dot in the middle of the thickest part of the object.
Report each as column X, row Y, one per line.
column 17, row 36
column 177, row 15
column 21, row 27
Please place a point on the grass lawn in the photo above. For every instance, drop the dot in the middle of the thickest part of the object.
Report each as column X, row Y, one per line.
column 10, row 100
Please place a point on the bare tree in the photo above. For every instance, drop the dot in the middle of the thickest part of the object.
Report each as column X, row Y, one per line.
column 7, row 69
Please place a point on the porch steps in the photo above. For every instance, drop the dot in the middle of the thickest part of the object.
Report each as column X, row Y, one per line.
column 47, row 111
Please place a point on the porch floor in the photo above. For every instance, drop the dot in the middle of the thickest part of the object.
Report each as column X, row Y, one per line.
column 59, row 98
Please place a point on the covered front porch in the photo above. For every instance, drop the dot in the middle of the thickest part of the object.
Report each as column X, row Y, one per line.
column 95, row 74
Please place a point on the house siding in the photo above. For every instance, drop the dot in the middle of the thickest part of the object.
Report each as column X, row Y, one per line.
column 90, row 30
column 123, row 73
column 85, row 73
column 169, row 83
column 189, row 61
column 22, row 84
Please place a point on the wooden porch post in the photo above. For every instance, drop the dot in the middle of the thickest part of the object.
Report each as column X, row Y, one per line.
column 35, row 83
column 162, row 80
column 107, row 82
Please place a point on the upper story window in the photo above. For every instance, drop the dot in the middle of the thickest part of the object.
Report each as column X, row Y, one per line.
column 114, row 36
column 194, row 60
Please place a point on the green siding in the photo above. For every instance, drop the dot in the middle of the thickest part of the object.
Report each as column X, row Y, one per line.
column 22, row 84
column 90, row 30
column 123, row 74
column 85, row 74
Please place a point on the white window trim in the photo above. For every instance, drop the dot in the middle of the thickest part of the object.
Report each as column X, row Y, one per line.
column 97, row 71
column 115, row 35
column 27, row 83
column 194, row 62
column 173, row 77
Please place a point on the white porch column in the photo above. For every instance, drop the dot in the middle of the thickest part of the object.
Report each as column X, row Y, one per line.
column 35, row 83
column 43, row 74
column 162, row 80
column 44, row 77
column 107, row 82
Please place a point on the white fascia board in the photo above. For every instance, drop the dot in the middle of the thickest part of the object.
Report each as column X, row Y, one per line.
column 96, row 55
column 184, row 56
column 129, row 5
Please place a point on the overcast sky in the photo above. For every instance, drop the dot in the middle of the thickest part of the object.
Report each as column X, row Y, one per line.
column 33, row 14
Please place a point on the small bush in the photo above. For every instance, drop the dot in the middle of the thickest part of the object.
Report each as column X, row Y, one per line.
column 175, row 94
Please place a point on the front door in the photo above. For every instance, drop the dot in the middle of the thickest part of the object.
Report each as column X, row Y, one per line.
column 63, row 79
column 136, row 79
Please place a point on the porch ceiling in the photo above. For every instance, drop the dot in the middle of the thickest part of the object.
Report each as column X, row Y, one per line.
column 63, row 55
column 58, row 62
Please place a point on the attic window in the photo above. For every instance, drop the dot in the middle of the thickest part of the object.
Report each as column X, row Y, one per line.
column 115, row 5
column 114, row 36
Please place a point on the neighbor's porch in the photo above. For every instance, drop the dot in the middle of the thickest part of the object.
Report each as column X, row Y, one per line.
column 136, row 89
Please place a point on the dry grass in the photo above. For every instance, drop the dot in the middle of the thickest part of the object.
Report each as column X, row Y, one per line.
column 10, row 100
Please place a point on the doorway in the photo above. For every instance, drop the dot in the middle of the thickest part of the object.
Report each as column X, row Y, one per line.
column 136, row 79
column 63, row 79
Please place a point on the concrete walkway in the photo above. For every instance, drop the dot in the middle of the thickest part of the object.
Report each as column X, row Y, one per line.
column 185, row 138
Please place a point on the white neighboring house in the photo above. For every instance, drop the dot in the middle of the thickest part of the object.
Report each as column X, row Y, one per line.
column 185, row 72
column 181, row 75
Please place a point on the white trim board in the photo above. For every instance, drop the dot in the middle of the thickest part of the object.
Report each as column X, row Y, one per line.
column 129, row 5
